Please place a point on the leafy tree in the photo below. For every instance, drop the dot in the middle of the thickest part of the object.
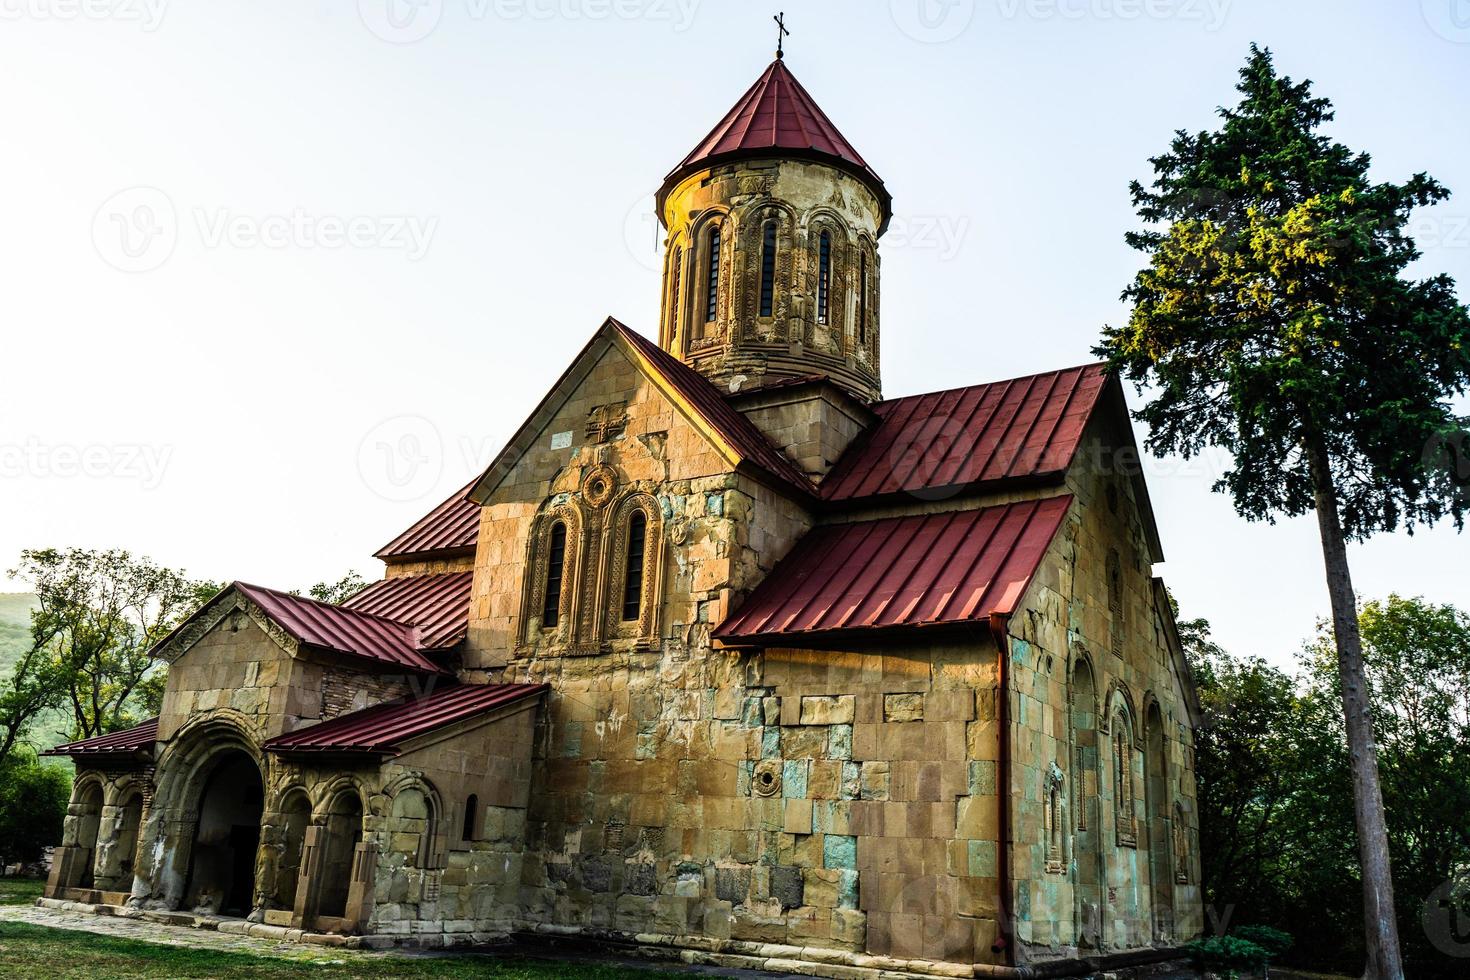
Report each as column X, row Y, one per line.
column 1417, row 660
column 1274, row 320
column 339, row 591
column 33, row 800
column 98, row 615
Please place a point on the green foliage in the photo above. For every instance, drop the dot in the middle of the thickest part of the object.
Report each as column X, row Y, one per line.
column 1273, row 769
column 96, row 616
column 1273, row 941
column 1274, row 319
column 339, row 591
column 33, row 801
column 1228, row 954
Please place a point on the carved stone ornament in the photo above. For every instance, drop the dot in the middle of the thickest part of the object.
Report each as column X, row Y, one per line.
column 679, row 531
column 766, row 780
column 598, row 485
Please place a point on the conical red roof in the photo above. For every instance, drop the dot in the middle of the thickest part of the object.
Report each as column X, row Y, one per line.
column 776, row 114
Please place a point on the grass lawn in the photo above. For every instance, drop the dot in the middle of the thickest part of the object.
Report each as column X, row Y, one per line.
column 20, row 891
column 37, row 951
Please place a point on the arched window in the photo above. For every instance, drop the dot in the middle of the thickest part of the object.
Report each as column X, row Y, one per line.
column 1123, row 780
column 555, row 566
column 633, row 577
column 1053, row 821
column 677, row 275
column 824, row 277
column 712, row 285
column 1115, row 600
column 1181, row 846
column 471, row 818
column 863, row 297
column 768, row 269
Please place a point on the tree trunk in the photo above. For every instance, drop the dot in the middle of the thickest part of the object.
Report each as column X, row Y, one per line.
column 1381, row 927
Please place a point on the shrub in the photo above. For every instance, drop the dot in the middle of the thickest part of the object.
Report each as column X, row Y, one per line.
column 1228, row 954
column 33, row 799
column 1273, row 941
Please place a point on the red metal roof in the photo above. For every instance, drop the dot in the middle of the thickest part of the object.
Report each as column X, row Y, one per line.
column 452, row 526
column 337, row 630
column 928, row 570
column 928, row 445
column 775, row 114
column 439, row 605
column 705, row 399
column 125, row 742
column 383, row 728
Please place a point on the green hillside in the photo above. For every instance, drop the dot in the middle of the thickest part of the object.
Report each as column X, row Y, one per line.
column 15, row 626
column 15, row 639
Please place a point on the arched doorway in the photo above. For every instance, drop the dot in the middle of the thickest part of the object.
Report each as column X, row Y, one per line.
column 127, row 823
column 295, row 818
column 222, row 861
column 343, row 834
column 1156, row 790
column 1087, row 855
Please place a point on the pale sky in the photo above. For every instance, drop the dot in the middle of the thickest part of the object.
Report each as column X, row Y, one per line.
column 280, row 275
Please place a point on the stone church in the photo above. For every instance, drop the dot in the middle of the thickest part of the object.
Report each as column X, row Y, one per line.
column 726, row 655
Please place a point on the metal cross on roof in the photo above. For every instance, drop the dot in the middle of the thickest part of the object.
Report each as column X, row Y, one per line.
column 782, row 32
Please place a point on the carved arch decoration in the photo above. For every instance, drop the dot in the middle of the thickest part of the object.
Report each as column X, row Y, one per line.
column 615, row 545
column 863, row 338
column 704, row 333
column 753, row 219
column 673, row 288
column 1123, row 743
column 432, row 852
column 1084, row 724
column 570, row 514
column 827, row 337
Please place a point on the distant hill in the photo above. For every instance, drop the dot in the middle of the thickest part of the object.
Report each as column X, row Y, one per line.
column 15, row 639
column 15, row 626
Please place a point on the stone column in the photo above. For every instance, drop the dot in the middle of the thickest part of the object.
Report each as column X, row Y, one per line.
column 363, row 891
column 308, row 883
column 107, row 868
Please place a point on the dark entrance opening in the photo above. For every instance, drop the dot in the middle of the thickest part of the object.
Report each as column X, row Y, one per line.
column 222, row 863
column 344, row 831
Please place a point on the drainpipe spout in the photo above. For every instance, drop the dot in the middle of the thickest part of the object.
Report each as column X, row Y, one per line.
column 1000, row 631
